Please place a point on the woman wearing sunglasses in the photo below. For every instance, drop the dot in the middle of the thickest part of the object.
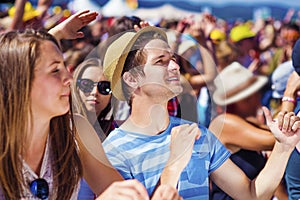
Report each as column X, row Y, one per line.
column 42, row 155
column 91, row 96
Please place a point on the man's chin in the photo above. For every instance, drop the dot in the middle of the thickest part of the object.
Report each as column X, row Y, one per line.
column 177, row 90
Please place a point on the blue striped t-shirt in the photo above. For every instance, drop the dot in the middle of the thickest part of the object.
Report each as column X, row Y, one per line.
column 143, row 157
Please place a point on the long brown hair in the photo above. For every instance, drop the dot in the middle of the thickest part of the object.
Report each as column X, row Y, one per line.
column 105, row 118
column 19, row 52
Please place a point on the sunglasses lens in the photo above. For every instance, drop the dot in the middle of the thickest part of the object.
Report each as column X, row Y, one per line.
column 104, row 87
column 85, row 85
column 39, row 188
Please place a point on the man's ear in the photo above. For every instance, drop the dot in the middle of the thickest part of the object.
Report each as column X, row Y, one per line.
column 130, row 80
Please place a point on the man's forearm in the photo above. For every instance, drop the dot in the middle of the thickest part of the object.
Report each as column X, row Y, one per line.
column 264, row 186
column 18, row 15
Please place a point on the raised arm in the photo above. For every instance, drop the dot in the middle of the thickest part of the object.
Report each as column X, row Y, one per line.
column 287, row 133
column 290, row 93
column 43, row 6
column 210, row 70
column 17, row 19
column 69, row 28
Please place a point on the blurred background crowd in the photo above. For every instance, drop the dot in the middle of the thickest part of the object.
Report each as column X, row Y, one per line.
column 259, row 35
column 208, row 38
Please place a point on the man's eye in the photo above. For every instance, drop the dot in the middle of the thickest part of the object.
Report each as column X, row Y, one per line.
column 158, row 62
column 55, row 70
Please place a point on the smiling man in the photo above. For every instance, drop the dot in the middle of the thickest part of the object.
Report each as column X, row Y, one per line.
column 155, row 148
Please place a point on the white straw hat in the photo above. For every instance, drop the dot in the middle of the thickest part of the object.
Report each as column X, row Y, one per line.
column 234, row 83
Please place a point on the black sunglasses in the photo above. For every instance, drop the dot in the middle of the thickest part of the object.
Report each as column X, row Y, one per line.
column 87, row 85
column 39, row 188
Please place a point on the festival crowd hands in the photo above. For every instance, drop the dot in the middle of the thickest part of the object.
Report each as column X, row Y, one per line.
column 285, row 128
column 68, row 29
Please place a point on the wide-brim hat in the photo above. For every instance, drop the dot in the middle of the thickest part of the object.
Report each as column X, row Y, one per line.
column 186, row 45
column 117, row 53
column 234, row 83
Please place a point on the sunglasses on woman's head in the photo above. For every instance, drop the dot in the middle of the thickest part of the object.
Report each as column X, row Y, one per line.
column 87, row 85
column 39, row 188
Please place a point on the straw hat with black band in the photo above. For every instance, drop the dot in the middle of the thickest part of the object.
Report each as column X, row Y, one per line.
column 234, row 83
column 117, row 53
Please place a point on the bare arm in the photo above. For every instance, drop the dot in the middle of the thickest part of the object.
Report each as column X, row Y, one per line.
column 293, row 85
column 69, row 29
column 263, row 187
column 235, row 133
column 210, row 71
column 98, row 171
column 17, row 19
column 43, row 6
column 291, row 91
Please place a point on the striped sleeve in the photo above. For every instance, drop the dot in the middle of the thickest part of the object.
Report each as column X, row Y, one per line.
column 115, row 156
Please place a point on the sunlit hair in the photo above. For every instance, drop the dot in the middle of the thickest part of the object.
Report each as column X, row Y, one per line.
column 136, row 60
column 19, row 52
column 123, row 23
column 105, row 118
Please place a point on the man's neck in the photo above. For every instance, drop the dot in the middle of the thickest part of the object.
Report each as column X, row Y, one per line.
column 148, row 119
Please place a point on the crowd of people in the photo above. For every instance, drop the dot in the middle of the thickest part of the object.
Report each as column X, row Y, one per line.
column 97, row 107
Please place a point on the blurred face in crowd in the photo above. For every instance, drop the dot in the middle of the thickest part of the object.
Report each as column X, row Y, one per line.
column 249, row 106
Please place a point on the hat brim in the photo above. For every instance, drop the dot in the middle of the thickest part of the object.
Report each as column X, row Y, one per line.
column 116, row 55
column 185, row 45
column 223, row 101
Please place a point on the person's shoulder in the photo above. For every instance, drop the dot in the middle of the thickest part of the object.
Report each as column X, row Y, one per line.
column 115, row 132
column 179, row 121
column 116, row 136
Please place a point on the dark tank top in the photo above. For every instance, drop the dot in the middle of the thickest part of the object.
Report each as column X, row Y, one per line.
column 251, row 162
